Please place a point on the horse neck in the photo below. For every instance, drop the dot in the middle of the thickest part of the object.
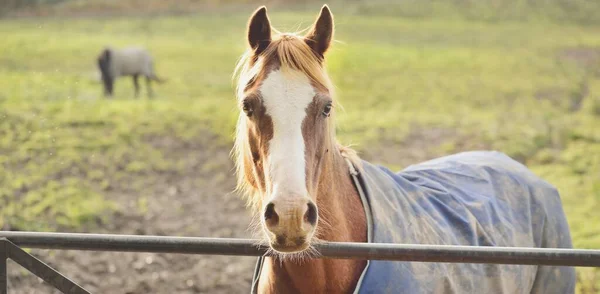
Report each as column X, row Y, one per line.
column 341, row 213
column 341, row 219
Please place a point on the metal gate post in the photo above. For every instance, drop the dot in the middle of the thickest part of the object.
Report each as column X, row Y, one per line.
column 3, row 272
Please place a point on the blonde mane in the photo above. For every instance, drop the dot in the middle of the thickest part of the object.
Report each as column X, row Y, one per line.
column 293, row 55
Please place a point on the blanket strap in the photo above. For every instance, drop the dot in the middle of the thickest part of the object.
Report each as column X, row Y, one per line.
column 359, row 184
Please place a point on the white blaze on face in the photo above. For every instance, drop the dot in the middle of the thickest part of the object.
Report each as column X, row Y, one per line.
column 286, row 96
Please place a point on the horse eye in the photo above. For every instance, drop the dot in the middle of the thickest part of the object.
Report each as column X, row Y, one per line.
column 327, row 110
column 247, row 108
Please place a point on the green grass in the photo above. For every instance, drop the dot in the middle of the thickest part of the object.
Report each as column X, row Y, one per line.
column 509, row 85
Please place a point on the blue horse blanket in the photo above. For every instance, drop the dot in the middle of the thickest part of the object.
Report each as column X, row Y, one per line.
column 471, row 198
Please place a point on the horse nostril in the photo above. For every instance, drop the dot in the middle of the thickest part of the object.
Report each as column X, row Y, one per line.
column 271, row 216
column 311, row 214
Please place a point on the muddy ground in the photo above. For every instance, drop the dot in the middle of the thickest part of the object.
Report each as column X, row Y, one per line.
column 196, row 202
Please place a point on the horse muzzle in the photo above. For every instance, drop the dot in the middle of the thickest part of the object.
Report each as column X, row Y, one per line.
column 290, row 223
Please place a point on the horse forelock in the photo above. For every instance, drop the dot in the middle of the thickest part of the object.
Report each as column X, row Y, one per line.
column 287, row 51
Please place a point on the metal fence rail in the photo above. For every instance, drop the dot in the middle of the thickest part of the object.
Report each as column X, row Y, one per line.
column 8, row 250
column 247, row 247
column 10, row 242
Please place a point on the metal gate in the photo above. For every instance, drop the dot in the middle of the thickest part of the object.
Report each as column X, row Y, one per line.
column 11, row 243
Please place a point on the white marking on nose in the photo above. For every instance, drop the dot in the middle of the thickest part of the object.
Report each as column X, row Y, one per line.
column 286, row 96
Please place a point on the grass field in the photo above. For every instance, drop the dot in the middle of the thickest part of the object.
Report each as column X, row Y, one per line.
column 424, row 86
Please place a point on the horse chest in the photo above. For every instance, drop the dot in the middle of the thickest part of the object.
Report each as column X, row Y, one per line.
column 312, row 276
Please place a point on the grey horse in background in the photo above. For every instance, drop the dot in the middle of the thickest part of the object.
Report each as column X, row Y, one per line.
column 131, row 61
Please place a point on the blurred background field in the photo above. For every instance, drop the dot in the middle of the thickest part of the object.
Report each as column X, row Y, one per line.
column 417, row 80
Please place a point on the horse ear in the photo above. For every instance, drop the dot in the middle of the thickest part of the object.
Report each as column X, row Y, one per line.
column 320, row 36
column 259, row 30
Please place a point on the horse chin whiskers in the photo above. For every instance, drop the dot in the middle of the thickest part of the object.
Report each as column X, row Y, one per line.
column 294, row 257
column 299, row 257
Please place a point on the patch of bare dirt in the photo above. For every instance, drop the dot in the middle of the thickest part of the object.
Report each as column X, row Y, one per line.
column 570, row 100
column 553, row 94
column 194, row 201
column 421, row 144
column 587, row 58
column 582, row 56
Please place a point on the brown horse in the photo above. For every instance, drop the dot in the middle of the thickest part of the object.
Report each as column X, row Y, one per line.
column 287, row 156
column 301, row 186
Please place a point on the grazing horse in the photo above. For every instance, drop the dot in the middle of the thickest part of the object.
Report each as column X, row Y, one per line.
column 303, row 187
column 131, row 61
